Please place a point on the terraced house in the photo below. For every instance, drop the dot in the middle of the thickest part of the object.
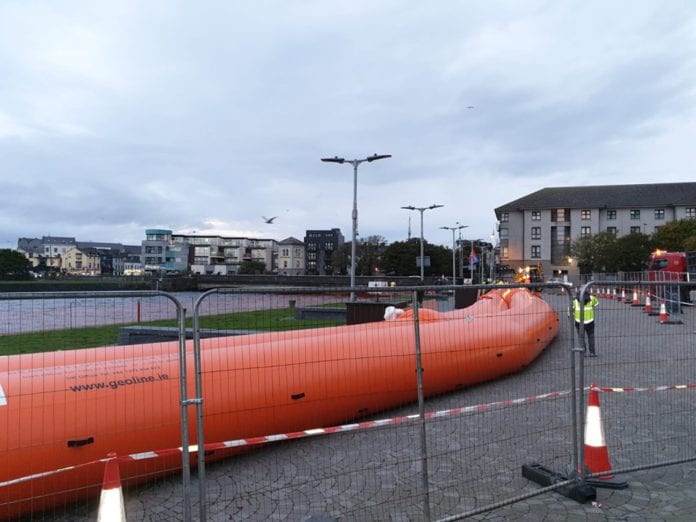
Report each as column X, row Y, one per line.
column 540, row 227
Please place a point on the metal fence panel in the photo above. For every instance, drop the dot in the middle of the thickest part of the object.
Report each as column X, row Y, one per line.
column 70, row 390
column 457, row 455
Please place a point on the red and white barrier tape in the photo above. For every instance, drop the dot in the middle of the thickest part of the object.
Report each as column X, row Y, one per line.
column 238, row 443
column 649, row 389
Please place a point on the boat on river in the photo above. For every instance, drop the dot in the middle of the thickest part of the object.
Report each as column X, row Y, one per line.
column 68, row 410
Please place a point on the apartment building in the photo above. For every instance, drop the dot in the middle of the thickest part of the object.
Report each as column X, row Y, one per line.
column 159, row 252
column 320, row 246
column 540, row 227
column 218, row 255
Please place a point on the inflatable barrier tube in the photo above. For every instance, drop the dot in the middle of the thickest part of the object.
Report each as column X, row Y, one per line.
column 60, row 409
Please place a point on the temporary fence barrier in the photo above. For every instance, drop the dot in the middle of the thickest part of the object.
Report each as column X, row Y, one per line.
column 442, row 457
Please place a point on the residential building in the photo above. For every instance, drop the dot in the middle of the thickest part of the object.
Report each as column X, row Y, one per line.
column 160, row 253
column 128, row 262
column 48, row 253
column 540, row 227
column 45, row 253
column 32, row 248
column 320, row 246
column 82, row 262
column 220, row 255
column 54, row 248
column 291, row 257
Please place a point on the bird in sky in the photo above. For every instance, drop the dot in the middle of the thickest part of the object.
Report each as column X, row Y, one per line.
column 269, row 221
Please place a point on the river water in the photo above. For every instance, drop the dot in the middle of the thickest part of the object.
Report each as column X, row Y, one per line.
column 22, row 316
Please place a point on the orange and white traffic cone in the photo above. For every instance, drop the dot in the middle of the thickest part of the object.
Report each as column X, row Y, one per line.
column 613, row 295
column 111, row 507
column 635, row 301
column 596, row 451
column 664, row 316
column 648, row 305
column 623, row 295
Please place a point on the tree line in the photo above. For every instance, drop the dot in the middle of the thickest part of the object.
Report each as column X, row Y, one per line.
column 604, row 252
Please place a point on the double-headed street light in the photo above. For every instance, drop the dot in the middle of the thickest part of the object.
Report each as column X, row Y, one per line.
column 454, row 256
column 421, row 210
column 355, row 164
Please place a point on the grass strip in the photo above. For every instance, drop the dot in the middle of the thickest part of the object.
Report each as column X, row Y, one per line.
column 89, row 337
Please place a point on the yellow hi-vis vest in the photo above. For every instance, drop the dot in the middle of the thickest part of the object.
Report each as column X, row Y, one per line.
column 589, row 310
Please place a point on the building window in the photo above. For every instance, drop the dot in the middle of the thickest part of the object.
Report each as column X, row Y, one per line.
column 504, row 217
column 503, row 233
column 536, row 215
column 560, row 214
column 612, row 230
column 691, row 212
column 504, row 252
column 659, row 213
column 585, row 231
column 611, row 214
column 536, row 251
column 285, row 252
column 536, row 232
column 635, row 214
column 585, row 214
column 635, row 230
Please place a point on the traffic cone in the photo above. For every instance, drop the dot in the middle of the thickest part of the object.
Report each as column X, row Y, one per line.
column 664, row 316
column 111, row 507
column 635, row 301
column 648, row 305
column 596, row 451
column 623, row 295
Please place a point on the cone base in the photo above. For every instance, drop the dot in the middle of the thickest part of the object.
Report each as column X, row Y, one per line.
column 615, row 482
column 581, row 493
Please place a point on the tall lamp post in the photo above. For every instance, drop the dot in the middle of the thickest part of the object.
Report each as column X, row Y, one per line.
column 355, row 164
column 421, row 210
column 454, row 255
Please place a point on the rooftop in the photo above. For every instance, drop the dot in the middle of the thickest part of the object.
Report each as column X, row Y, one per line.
column 606, row 196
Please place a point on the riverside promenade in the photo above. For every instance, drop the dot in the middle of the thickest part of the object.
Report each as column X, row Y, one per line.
column 278, row 482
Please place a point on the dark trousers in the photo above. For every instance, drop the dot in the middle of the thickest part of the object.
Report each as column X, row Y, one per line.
column 589, row 334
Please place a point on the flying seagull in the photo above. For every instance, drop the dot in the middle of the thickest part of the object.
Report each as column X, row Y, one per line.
column 269, row 220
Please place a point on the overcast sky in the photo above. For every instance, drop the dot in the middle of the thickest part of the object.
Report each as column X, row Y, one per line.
column 121, row 116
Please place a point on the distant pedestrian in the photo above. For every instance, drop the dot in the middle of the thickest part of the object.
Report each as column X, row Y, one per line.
column 587, row 309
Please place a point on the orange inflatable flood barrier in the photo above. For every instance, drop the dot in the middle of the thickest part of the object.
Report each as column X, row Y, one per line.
column 64, row 409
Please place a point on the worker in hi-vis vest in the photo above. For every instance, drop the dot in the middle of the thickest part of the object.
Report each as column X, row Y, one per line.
column 587, row 312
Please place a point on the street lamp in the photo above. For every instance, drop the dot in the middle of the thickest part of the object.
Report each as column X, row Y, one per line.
column 421, row 210
column 454, row 256
column 355, row 164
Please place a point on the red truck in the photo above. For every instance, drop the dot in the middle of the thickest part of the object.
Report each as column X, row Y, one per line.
column 673, row 266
